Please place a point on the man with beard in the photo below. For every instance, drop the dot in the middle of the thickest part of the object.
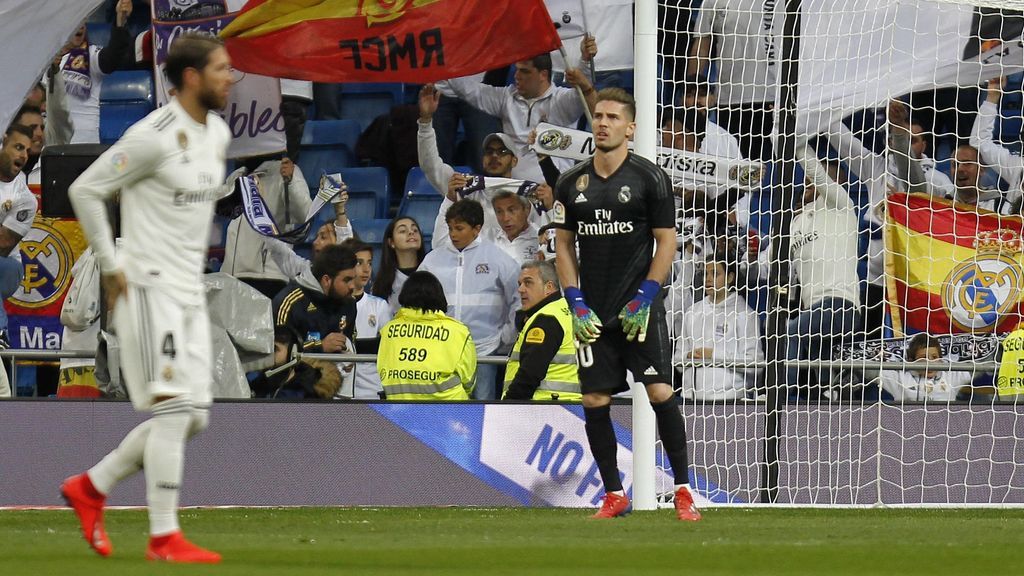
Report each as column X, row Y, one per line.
column 167, row 169
column 17, row 211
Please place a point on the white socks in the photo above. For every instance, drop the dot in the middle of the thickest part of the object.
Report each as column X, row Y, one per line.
column 122, row 461
column 164, row 461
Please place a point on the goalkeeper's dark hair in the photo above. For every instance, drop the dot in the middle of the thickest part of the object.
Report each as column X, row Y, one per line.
column 466, row 210
column 331, row 260
column 191, row 50
column 619, row 95
column 922, row 341
column 423, row 291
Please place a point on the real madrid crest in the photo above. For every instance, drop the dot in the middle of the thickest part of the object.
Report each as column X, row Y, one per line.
column 183, row 144
column 980, row 290
column 553, row 140
column 7, row 205
column 624, row 194
column 168, row 373
column 372, row 320
column 582, row 182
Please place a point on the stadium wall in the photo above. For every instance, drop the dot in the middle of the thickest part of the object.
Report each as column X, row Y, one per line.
column 477, row 454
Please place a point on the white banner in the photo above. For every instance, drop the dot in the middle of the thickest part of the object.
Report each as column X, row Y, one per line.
column 685, row 169
column 33, row 31
column 857, row 54
column 253, row 110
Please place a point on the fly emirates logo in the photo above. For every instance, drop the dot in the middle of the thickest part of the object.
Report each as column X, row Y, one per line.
column 604, row 226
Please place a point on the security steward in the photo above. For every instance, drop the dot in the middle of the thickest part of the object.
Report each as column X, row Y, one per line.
column 424, row 354
column 542, row 365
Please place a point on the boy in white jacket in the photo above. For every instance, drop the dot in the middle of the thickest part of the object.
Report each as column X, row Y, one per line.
column 480, row 282
column 720, row 327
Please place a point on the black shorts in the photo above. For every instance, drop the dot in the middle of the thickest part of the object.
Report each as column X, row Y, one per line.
column 611, row 355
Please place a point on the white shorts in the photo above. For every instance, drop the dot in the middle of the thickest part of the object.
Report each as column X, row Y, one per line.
column 165, row 347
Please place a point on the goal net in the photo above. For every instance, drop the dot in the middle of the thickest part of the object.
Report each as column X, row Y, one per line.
column 846, row 296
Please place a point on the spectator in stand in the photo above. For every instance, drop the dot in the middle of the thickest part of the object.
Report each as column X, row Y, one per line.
column 17, row 212
column 401, row 254
column 286, row 195
column 532, row 100
column 916, row 384
column 291, row 376
column 84, row 66
column 371, row 313
column 1010, row 167
column 609, row 20
column 542, row 365
column 968, row 175
column 296, row 95
column 507, row 215
column 476, row 124
column 480, row 284
column 720, row 327
column 699, row 95
column 53, row 127
column 746, row 69
column 424, row 354
column 823, row 252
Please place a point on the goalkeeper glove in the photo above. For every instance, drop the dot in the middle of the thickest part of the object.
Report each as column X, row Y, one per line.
column 586, row 326
column 637, row 312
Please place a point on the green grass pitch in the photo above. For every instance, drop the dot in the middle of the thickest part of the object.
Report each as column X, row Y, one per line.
column 452, row 541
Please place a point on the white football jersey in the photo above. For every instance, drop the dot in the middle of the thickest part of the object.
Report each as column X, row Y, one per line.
column 17, row 209
column 168, row 169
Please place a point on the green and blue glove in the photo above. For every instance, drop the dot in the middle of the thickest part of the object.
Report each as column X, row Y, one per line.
column 637, row 312
column 586, row 326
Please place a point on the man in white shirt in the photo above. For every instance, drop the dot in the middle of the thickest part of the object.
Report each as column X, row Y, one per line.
column 17, row 212
column 531, row 100
column 168, row 169
column 743, row 32
column 1009, row 166
column 968, row 173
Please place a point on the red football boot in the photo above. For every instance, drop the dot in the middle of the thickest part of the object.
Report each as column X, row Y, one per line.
column 87, row 502
column 685, row 508
column 613, row 506
column 175, row 548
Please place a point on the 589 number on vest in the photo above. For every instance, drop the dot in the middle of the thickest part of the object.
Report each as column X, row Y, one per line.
column 412, row 355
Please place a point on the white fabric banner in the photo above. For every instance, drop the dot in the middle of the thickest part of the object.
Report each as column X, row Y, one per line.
column 33, row 32
column 857, row 54
column 685, row 169
column 253, row 110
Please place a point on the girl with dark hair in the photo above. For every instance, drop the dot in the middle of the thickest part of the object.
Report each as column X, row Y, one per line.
column 401, row 255
column 424, row 354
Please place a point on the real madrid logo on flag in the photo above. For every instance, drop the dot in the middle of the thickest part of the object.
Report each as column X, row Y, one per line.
column 982, row 288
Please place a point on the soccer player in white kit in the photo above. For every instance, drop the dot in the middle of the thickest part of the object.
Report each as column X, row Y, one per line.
column 167, row 168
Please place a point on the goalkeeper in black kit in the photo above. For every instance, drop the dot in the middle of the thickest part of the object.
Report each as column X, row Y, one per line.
column 619, row 207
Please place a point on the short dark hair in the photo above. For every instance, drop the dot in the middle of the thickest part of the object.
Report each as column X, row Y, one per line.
column 423, row 291
column 191, row 50
column 467, row 210
column 26, row 109
column 619, row 95
column 922, row 341
column 542, row 62
column 331, row 260
column 18, row 128
column 356, row 245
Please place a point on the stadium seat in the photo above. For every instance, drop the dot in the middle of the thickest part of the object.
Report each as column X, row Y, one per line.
column 364, row 102
column 98, row 33
column 371, row 231
column 368, row 192
column 327, row 147
column 423, row 209
column 416, row 182
column 125, row 98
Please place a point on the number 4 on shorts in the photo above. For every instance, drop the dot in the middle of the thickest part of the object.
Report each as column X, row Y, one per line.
column 167, row 348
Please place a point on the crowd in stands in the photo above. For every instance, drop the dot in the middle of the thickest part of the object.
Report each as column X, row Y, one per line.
column 457, row 266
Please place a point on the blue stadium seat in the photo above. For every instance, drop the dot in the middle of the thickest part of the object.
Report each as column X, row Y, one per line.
column 364, row 102
column 416, row 182
column 98, row 33
column 370, row 188
column 327, row 146
column 371, row 230
column 125, row 98
column 423, row 209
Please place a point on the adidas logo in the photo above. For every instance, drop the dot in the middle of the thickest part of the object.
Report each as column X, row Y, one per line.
column 580, row 199
column 650, row 371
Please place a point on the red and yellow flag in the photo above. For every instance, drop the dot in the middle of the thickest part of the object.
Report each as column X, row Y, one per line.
column 386, row 40
column 953, row 268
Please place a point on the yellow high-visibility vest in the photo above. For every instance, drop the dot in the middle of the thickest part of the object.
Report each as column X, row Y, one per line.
column 426, row 356
column 1011, row 370
column 562, row 381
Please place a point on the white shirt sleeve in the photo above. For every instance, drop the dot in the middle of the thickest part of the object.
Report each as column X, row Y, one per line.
column 835, row 196
column 291, row 264
column 1009, row 167
column 436, row 171
column 23, row 209
column 489, row 99
column 130, row 159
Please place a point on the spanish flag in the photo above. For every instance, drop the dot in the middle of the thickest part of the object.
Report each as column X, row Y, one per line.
column 386, row 40
column 952, row 268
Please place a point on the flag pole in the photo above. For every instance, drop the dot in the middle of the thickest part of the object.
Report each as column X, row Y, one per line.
column 579, row 91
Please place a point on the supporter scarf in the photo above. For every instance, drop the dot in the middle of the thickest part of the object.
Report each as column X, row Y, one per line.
column 495, row 184
column 77, row 78
column 960, row 347
column 262, row 221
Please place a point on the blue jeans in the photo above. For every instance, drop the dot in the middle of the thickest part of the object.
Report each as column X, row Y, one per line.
column 11, row 273
column 486, row 387
column 476, row 124
column 812, row 336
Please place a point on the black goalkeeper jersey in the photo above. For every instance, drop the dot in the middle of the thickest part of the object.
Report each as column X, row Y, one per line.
column 612, row 219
